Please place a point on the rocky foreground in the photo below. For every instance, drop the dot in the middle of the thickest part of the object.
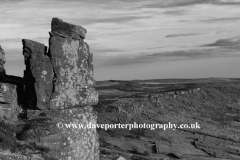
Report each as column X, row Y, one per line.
column 57, row 89
column 213, row 103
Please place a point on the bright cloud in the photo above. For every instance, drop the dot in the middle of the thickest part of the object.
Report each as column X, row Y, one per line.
column 127, row 30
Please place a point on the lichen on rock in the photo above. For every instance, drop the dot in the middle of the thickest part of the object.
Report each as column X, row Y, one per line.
column 38, row 74
column 72, row 65
column 9, row 108
column 59, row 87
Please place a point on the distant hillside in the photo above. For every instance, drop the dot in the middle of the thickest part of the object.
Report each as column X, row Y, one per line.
column 213, row 103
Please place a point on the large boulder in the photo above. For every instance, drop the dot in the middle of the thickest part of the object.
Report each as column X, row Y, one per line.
column 60, row 83
column 63, row 29
column 59, row 87
column 38, row 74
column 72, row 66
column 60, row 133
column 9, row 108
column 63, row 77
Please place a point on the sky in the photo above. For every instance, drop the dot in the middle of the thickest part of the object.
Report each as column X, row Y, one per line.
column 134, row 39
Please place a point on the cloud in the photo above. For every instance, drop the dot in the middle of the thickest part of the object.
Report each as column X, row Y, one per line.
column 228, row 2
column 228, row 43
column 184, row 54
column 109, row 24
column 102, row 51
column 170, row 56
column 17, row 42
column 11, row 1
column 4, row 40
column 107, row 50
column 158, row 3
column 176, row 3
column 175, row 12
column 20, row 39
column 113, row 19
column 184, row 3
column 225, row 19
column 120, row 19
column 182, row 35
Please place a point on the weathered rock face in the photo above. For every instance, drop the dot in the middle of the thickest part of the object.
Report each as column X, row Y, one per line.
column 72, row 65
column 59, row 132
column 63, row 29
column 9, row 108
column 11, row 93
column 59, row 89
column 60, row 83
column 38, row 74
column 2, row 60
column 21, row 95
column 63, row 77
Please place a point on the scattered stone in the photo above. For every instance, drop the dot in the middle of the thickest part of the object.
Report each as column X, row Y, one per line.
column 218, row 147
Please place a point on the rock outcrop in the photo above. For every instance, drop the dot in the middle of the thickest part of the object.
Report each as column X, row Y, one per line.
column 9, row 108
column 63, row 77
column 59, row 88
column 60, row 83
column 63, row 133
column 72, row 66
column 64, row 29
column 38, row 74
column 2, row 61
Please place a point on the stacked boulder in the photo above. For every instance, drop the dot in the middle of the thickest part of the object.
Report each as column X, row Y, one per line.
column 59, row 85
column 9, row 108
column 72, row 65
column 63, row 77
